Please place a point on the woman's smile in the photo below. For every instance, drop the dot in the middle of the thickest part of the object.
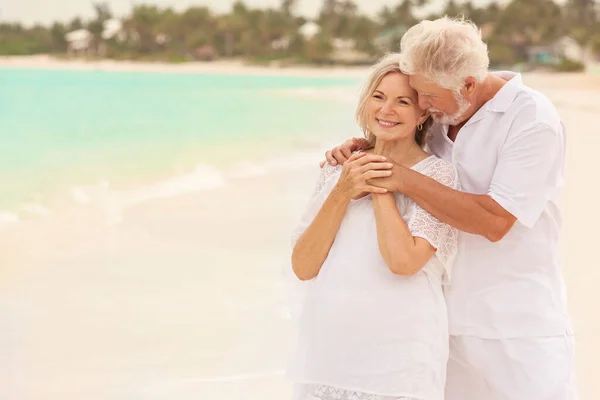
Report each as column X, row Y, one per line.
column 386, row 124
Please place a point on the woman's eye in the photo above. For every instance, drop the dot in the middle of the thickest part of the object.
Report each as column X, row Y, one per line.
column 378, row 96
column 403, row 102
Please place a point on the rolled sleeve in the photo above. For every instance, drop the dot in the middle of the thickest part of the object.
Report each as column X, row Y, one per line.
column 529, row 171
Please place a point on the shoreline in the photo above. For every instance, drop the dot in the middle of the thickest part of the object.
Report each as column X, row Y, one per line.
column 239, row 67
column 223, row 67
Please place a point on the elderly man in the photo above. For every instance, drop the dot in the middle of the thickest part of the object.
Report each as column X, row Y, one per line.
column 511, row 337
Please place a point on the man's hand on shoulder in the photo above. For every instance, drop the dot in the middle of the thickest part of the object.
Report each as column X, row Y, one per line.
column 341, row 153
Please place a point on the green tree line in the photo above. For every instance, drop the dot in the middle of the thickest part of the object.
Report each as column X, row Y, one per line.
column 153, row 33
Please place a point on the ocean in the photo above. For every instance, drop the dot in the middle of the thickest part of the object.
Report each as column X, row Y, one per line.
column 72, row 136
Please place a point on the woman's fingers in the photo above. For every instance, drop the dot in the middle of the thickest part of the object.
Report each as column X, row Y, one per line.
column 376, row 166
column 375, row 189
column 356, row 156
column 368, row 158
column 377, row 174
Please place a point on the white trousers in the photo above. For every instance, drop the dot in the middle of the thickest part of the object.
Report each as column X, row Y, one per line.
column 511, row 369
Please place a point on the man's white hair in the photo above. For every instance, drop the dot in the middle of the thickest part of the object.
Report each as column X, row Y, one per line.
column 446, row 51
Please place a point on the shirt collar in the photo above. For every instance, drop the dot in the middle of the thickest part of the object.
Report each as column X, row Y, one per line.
column 506, row 95
column 503, row 99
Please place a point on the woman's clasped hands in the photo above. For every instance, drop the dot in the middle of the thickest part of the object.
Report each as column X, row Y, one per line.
column 357, row 170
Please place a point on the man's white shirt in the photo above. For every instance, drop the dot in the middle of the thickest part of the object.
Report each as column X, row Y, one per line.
column 512, row 149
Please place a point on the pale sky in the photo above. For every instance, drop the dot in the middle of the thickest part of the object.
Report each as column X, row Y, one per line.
column 45, row 11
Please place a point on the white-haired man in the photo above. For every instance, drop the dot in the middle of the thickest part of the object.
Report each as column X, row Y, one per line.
column 511, row 337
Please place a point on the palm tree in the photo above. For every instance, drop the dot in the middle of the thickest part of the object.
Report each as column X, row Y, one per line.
column 142, row 28
column 57, row 34
column 96, row 26
column 582, row 20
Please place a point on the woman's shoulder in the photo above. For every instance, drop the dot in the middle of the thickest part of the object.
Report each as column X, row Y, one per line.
column 441, row 170
column 436, row 162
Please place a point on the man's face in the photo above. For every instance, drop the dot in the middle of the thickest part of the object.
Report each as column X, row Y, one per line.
column 446, row 107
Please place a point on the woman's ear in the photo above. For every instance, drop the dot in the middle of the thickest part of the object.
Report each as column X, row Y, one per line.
column 424, row 115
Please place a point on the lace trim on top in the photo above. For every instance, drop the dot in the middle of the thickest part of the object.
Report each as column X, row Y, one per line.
column 327, row 172
column 324, row 392
column 441, row 235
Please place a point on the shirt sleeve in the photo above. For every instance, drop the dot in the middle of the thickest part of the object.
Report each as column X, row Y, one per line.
column 529, row 171
column 439, row 234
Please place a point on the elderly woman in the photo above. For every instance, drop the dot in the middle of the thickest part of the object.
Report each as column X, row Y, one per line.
column 373, row 324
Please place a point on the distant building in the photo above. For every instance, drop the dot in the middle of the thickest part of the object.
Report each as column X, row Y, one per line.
column 344, row 51
column 343, row 44
column 552, row 54
column 79, row 41
column 113, row 28
column 281, row 44
column 309, row 30
column 162, row 39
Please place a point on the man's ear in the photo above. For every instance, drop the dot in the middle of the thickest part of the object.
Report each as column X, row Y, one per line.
column 470, row 85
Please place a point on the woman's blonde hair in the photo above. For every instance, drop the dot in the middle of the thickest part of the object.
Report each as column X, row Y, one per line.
column 386, row 65
column 446, row 51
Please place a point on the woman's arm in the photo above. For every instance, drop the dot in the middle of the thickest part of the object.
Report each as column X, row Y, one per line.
column 403, row 253
column 313, row 245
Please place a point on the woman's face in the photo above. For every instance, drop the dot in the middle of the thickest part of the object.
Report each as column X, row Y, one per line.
column 392, row 111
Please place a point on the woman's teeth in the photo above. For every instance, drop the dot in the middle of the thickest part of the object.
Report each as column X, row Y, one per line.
column 387, row 123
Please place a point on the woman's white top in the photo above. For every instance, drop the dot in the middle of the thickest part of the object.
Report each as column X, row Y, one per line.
column 364, row 332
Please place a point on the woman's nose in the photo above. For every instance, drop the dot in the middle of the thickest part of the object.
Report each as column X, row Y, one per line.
column 387, row 108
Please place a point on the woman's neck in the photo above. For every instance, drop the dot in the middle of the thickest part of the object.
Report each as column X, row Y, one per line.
column 403, row 152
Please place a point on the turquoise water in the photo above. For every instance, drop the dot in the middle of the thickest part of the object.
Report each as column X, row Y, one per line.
column 61, row 129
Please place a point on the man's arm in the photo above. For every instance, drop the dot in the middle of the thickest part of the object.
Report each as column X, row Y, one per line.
column 477, row 214
column 527, row 175
column 472, row 213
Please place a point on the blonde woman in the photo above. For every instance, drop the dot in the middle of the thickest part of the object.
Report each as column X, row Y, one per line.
column 373, row 323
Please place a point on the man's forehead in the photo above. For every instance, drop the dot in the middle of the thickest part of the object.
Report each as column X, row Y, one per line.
column 422, row 84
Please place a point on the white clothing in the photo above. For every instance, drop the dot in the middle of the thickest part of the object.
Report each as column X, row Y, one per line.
column 364, row 329
column 511, row 369
column 321, row 392
column 512, row 149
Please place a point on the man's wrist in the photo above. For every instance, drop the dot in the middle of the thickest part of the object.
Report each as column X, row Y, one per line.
column 403, row 179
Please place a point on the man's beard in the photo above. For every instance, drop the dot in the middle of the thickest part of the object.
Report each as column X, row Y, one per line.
column 454, row 119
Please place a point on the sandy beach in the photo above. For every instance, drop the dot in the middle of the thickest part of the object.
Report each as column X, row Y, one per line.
column 182, row 297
